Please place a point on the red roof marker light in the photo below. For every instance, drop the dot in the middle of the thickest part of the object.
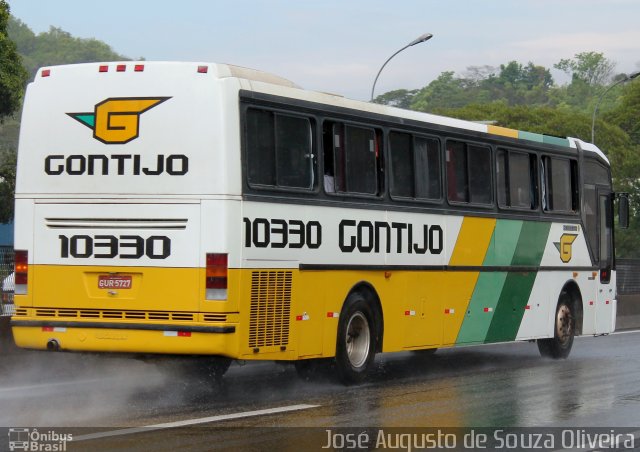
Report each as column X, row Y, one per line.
column 103, row 68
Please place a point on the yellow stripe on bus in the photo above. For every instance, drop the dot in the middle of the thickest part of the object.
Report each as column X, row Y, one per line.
column 470, row 249
column 503, row 131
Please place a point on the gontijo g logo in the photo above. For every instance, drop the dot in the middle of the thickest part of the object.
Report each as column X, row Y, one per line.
column 116, row 120
column 564, row 246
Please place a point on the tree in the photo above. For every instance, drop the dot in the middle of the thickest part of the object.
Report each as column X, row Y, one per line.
column 590, row 67
column 625, row 114
column 401, row 98
column 57, row 46
column 517, row 84
column 7, row 184
column 445, row 91
column 13, row 76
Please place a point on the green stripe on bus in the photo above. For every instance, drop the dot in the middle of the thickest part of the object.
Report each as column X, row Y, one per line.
column 530, row 136
column 489, row 286
column 517, row 286
column 555, row 140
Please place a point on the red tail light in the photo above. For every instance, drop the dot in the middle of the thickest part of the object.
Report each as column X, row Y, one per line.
column 216, row 276
column 22, row 272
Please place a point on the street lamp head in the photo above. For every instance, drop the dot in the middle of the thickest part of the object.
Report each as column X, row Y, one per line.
column 419, row 39
column 633, row 75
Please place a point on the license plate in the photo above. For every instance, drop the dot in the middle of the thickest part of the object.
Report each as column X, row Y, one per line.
column 114, row 282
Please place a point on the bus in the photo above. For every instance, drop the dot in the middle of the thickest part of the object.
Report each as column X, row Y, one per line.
column 208, row 209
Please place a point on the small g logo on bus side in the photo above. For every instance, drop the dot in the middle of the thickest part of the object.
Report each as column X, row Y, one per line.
column 565, row 246
column 116, row 120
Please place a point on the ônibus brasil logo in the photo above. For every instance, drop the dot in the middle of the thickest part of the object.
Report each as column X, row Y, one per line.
column 116, row 120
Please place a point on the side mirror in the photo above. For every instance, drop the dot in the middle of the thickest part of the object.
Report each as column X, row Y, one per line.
column 623, row 210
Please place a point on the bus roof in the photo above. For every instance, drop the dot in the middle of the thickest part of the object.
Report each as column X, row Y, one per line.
column 273, row 84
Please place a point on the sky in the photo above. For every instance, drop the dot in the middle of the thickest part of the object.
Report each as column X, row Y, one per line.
column 338, row 46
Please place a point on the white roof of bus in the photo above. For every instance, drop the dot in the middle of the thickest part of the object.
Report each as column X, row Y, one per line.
column 273, row 84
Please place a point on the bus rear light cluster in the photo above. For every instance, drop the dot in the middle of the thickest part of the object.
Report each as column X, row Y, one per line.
column 121, row 68
column 22, row 272
column 216, row 276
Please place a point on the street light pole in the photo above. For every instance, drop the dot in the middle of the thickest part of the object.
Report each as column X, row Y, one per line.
column 627, row 78
column 418, row 40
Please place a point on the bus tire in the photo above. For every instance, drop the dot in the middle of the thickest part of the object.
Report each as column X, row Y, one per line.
column 356, row 345
column 559, row 346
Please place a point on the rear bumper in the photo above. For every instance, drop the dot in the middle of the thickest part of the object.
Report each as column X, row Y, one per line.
column 220, row 340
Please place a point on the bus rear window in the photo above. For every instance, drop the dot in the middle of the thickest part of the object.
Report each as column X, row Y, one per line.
column 279, row 150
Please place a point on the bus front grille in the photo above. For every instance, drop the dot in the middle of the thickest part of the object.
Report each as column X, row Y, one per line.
column 270, row 308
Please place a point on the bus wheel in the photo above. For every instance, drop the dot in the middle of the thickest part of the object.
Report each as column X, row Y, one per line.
column 356, row 346
column 559, row 346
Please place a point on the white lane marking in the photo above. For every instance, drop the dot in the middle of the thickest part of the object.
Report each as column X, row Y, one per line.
column 188, row 422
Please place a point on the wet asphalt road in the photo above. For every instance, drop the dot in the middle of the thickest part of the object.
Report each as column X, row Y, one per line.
column 506, row 385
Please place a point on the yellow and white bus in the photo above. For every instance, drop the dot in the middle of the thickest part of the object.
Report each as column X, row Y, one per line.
column 207, row 209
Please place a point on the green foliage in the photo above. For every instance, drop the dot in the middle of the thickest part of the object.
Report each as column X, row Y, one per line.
column 13, row 76
column 446, row 90
column 57, row 46
column 400, row 98
column 590, row 67
column 626, row 112
column 7, row 184
column 513, row 84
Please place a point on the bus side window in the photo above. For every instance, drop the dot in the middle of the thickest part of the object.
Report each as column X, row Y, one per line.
column 415, row 166
column 279, row 150
column 591, row 218
column 559, row 179
column 468, row 173
column 355, row 159
column 402, row 168
column 516, row 174
column 457, row 183
column 427, row 165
